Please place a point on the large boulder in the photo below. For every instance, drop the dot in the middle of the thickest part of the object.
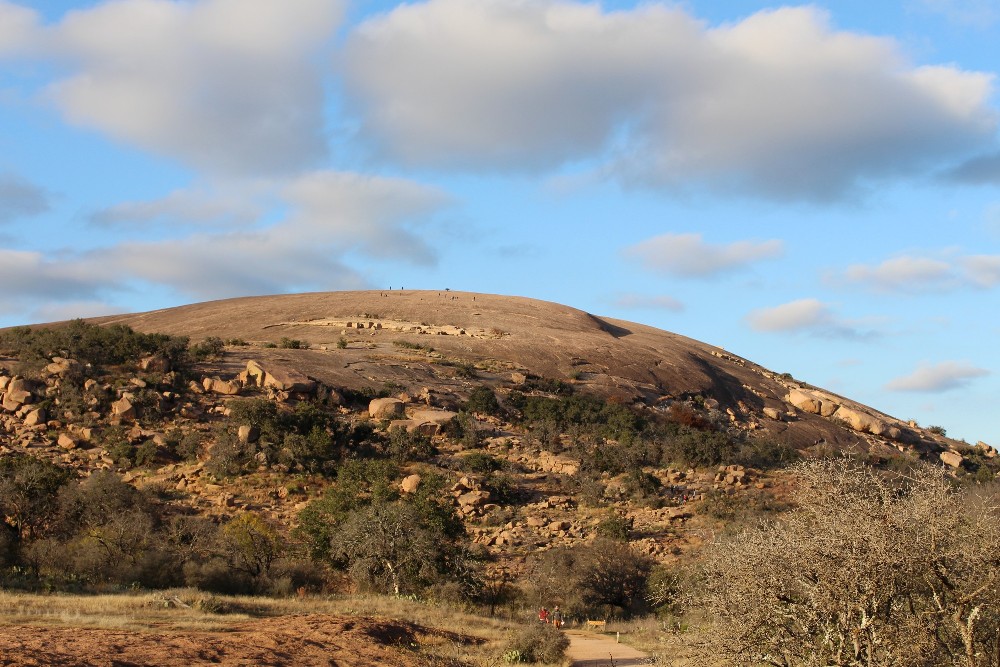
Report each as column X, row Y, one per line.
column 386, row 408
column 804, row 401
column 431, row 416
column 954, row 459
column 157, row 363
column 123, row 409
column 223, row 387
column 279, row 378
column 861, row 421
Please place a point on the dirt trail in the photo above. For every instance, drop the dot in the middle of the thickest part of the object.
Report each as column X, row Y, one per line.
column 587, row 649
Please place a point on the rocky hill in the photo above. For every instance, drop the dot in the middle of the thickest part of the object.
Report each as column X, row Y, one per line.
column 548, row 425
column 507, row 339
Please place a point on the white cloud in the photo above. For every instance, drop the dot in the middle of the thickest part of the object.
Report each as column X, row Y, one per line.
column 231, row 86
column 977, row 13
column 912, row 274
column 982, row 270
column 336, row 222
column 20, row 198
column 944, row 376
column 184, row 207
column 29, row 276
column 806, row 316
column 18, row 29
column 688, row 255
column 780, row 104
column 644, row 302
column 907, row 274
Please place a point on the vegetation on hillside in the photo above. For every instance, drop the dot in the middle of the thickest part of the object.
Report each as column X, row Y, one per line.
column 890, row 563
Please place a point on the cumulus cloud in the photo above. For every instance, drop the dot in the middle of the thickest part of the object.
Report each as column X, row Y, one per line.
column 231, row 86
column 183, row 207
column 19, row 28
column 979, row 13
column 907, row 274
column 809, row 316
column 687, row 255
column 780, row 104
column 914, row 274
column 979, row 170
column 940, row 377
column 335, row 221
column 982, row 270
column 31, row 276
column 20, row 198
column 634, row 301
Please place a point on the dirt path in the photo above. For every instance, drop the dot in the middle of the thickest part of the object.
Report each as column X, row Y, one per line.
column 588, row 649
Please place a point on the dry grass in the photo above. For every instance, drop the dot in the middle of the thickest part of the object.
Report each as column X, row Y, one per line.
column 456, row 637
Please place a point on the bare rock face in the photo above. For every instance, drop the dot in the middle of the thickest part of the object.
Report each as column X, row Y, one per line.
column 386, row 408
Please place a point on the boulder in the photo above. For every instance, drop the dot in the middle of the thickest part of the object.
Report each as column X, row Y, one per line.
column 223, row 387
column 954, row 459
column 386, row 408
column 248, row 434
column 410, row 483
column 123, row 409
column 61, row 366
column 860, row 421
column 157, row 363
column 473, row 498
column 773, row 413
column 438, row 417
column 66, row 441
column 35, row 417
column 287, row 379
column 804, row 401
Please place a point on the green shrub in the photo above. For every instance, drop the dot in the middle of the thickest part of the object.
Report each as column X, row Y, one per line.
column 484, row 401
column 615, row 527
column 89, row 343
column 538, row 642
column 292, row 344
column 210, row 348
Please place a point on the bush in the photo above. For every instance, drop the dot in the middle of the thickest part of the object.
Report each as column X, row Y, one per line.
column 484, row 401
column 292, row 344
column 89, row 343
column 539, row 642
column 869, row 569
column 209, row 348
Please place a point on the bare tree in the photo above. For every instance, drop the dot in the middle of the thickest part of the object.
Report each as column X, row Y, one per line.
column 870, row 569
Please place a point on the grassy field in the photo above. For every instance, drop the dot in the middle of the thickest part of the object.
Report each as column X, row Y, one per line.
column 468, row 638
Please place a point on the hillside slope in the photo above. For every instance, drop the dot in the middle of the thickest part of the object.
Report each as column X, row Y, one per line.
column 504, row 335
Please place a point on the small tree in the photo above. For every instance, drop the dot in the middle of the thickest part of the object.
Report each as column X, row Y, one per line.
column 869, row 570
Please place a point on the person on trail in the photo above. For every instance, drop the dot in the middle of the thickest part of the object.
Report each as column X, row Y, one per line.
column 557, row 617
column 543, row 615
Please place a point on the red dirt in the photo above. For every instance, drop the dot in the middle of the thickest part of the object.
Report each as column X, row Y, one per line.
column 308, row 640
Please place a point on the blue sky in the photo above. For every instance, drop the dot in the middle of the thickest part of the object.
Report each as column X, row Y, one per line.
column 814, row 187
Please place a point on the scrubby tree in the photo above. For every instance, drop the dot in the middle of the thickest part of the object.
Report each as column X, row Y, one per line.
column 603, row 578
column 869, row 569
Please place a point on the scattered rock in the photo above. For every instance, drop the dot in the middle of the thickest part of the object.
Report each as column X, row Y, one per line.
column 410, row 484
column 953, row 459
column 386, row 408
